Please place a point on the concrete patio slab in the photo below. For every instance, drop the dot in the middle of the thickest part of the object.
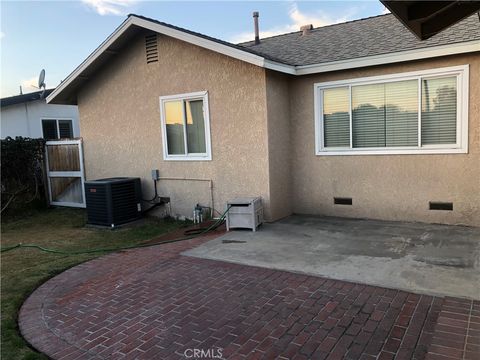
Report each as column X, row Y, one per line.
column 423, row 258
column 154, row 303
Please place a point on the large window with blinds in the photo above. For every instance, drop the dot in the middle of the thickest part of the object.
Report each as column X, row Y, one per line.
column 185, row 126
column 408, row 113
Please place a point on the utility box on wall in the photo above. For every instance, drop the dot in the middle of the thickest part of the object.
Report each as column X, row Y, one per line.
column 245, row 213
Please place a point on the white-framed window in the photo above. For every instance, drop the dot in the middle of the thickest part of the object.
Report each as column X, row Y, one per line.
column 185, row 126
column 54, row 129
column 421, row 112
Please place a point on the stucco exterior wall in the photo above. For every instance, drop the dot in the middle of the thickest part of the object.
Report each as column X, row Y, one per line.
column 279, row 144
column 120, row 123
column 391, row 187
column 26, row 119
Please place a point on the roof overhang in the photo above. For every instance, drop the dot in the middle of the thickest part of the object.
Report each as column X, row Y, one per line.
column 427, row 18
column 66, row 91
column 390, row 58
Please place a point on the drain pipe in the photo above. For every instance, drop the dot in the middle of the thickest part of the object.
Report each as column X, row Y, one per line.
column 196, row 179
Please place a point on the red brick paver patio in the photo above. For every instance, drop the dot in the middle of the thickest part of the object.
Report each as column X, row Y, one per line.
column 154, row 303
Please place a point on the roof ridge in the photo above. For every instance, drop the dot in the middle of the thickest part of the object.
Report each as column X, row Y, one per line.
column 317, row 28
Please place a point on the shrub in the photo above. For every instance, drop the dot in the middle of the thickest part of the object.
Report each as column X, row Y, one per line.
column 22, row 178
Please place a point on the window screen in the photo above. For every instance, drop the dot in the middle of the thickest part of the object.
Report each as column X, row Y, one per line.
column 65, row 129
column 439, row 111
column 195, row 126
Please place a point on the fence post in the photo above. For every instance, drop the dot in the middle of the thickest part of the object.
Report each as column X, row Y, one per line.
column 45, row 177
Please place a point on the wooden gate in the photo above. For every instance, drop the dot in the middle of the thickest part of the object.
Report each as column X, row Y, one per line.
column 65, row 172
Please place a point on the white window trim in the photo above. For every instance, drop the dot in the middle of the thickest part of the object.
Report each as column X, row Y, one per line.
column 461, row 146
column 57, row 123
column 206, row 115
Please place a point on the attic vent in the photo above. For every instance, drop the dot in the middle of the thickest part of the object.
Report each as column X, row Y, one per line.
column 441, row 206
column 151, row 48
column 342, row 201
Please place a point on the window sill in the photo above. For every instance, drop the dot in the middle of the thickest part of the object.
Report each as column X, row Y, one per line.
column 424, row 151
column 187, row 158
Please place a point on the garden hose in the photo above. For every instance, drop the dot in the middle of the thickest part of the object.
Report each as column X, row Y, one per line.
column 212, row 227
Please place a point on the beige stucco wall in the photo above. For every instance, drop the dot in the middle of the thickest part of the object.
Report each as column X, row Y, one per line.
column 262, row 134
column 120, row 123
column 279, row 144
column 393, row 187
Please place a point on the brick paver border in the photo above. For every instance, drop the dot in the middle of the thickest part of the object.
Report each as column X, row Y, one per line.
column 457, row 332
column 156, row 303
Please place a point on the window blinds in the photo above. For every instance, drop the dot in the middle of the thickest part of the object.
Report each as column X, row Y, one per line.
column 439, row 111
column 386, row 114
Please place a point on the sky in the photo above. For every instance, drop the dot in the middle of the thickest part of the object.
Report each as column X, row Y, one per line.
column 58, row 35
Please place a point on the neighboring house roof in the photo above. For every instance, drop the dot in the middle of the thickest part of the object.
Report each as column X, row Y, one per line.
column 378, row 35
column 19, row 99
column 372, row 41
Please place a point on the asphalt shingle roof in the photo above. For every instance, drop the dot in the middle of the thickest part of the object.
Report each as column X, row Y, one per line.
column 203, row 36
column 376, row 35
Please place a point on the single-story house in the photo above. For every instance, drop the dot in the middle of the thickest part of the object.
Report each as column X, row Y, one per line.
column 358, row 119
column 29, row 115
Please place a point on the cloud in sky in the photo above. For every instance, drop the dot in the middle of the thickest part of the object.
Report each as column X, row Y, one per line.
column 385, row 11
column 2, row 34
column 297, row 19
column 110, row 7
column 30, row 85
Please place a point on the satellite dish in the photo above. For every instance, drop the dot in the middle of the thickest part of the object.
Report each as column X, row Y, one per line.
column 41, row 79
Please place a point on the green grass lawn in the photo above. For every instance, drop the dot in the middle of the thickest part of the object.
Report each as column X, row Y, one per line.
column 23, row 270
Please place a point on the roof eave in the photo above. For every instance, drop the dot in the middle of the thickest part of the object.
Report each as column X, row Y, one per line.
column 133, row 20
column 93, row 56
column 402, row 56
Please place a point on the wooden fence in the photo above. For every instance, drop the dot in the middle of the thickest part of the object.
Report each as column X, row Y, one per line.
column 65, row 172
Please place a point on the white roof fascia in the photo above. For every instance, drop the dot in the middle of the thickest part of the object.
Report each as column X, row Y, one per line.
column 424, row 53
column 417, row 54
column 212, row 45
column 94, row 55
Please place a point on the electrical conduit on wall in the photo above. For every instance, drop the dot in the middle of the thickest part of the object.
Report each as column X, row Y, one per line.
column 210, row 181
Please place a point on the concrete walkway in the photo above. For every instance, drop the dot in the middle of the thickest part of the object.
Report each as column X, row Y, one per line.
column 424, row 258
column 154, row 303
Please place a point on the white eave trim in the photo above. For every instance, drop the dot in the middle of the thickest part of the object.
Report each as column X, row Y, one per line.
column 257, row 60
column 424, row 53
column 177, row 34
column 88, row 61
column 214, row 46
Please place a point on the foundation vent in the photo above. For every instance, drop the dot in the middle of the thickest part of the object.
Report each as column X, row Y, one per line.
column 448, row 206
column 151, row 48
column 342, row 201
